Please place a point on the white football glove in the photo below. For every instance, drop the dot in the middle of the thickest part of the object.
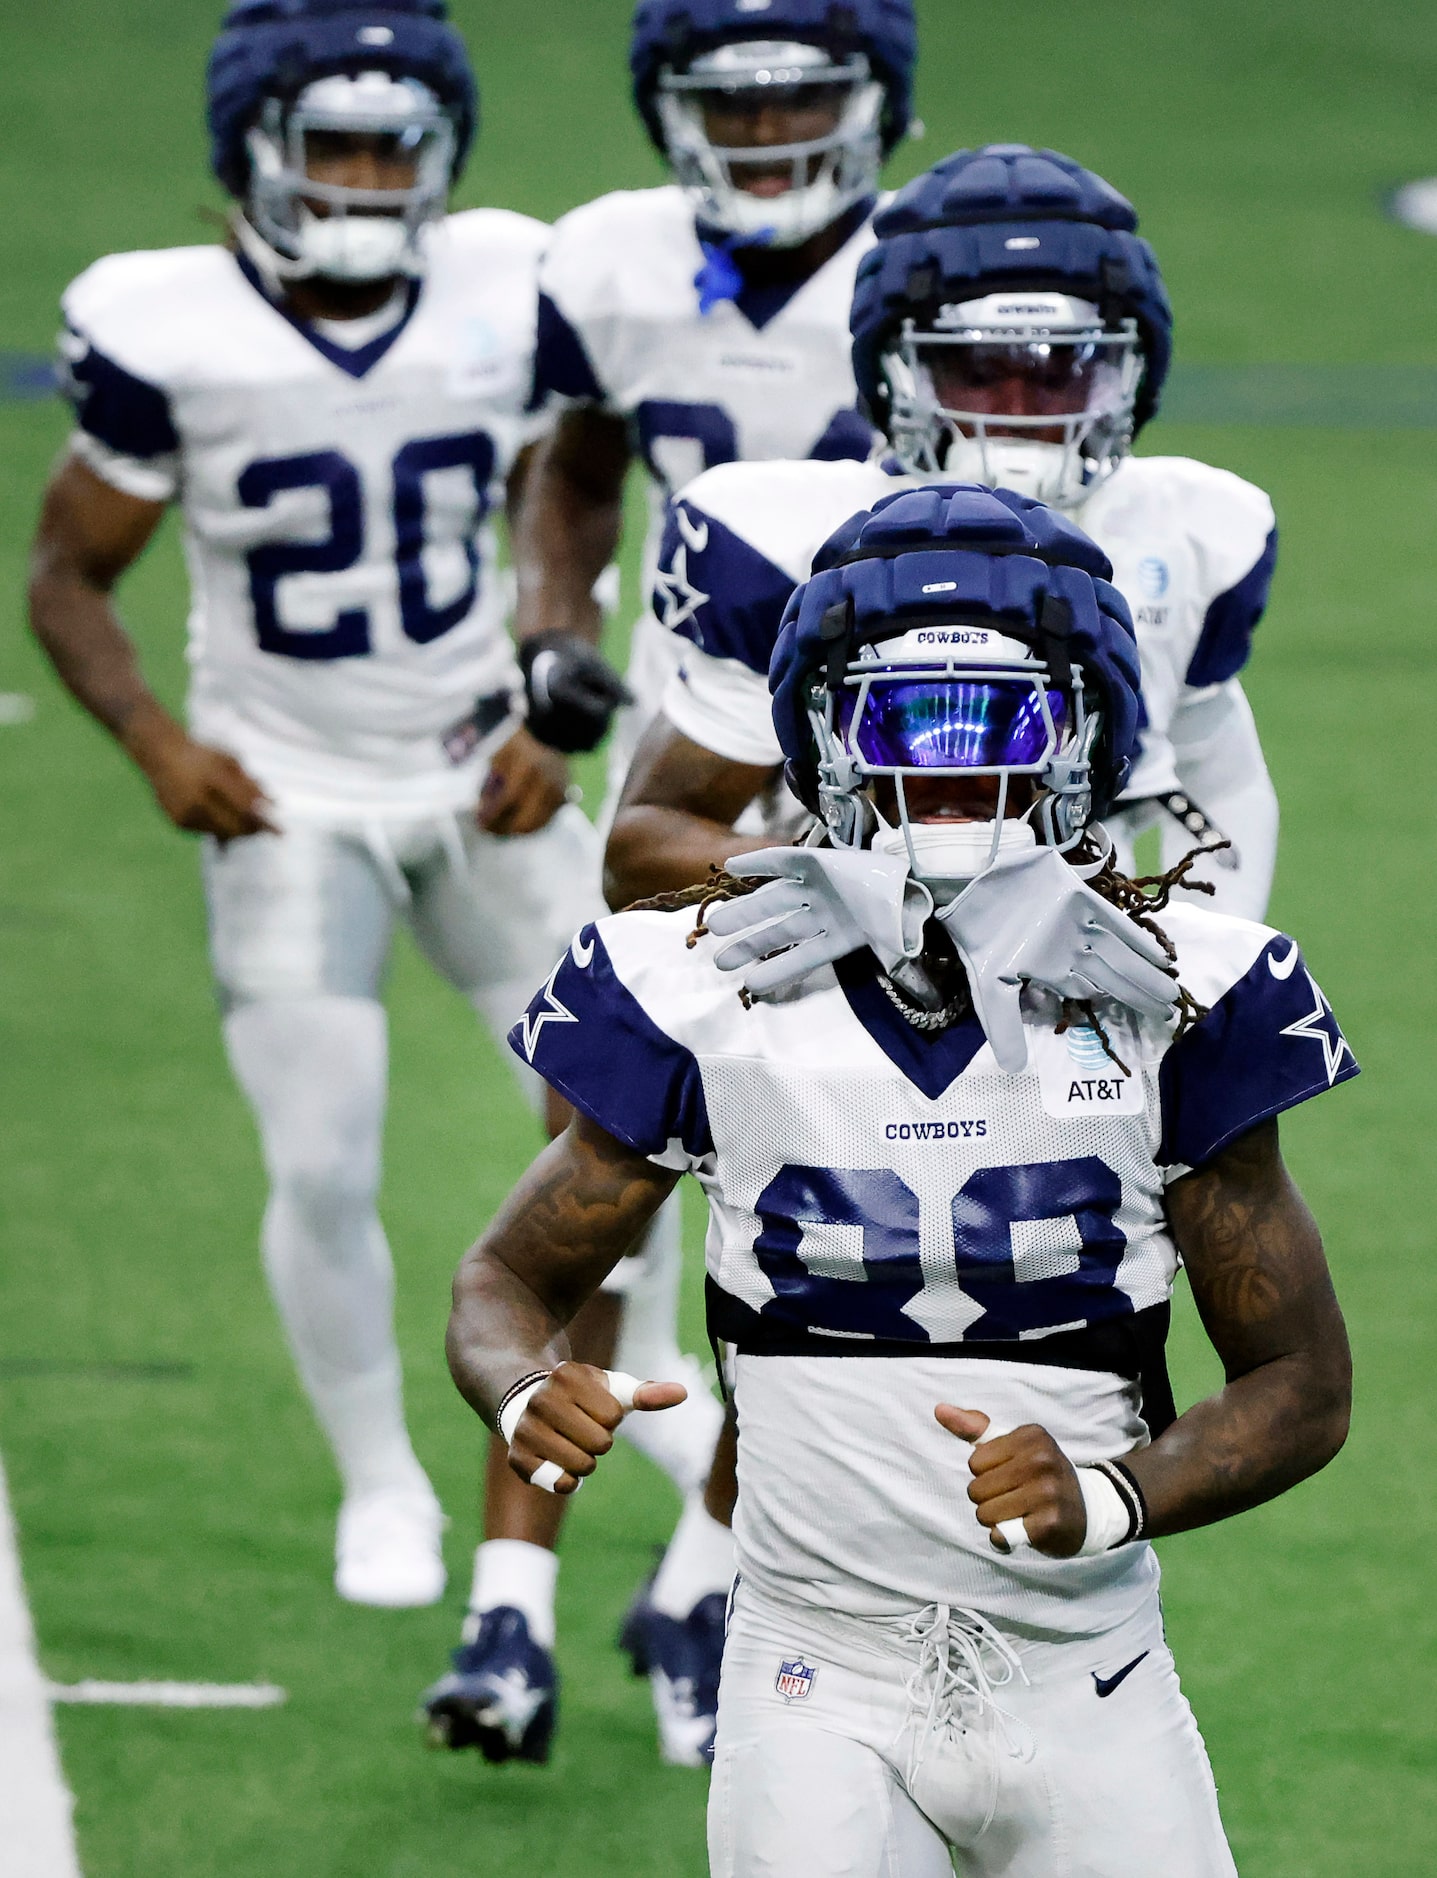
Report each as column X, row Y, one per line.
column 1031, row 918
column 822, row 904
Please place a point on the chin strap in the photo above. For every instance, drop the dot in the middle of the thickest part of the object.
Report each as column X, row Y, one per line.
column 275, row 270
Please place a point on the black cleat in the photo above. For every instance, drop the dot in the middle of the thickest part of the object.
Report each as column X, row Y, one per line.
column 681, row 1659
column 501, row 1696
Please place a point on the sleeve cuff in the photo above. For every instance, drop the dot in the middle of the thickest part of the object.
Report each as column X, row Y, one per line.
column 722, row 706
column 154, row 480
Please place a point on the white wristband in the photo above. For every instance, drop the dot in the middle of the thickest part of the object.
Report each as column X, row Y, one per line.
column 547, row 1475
column 515, row 1405
column 1109, row 1515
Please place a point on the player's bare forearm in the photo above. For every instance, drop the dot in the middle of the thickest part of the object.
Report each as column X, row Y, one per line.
column 566, row 522
column 574, row 1215
column 676, row 815
column 1258, row 1273
column 89, row 534
column 1262, row 1286
column 652, row 851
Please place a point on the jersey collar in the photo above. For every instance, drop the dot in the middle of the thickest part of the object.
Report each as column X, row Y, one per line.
column 356, row 361
column 931, row 1062
column 721, row 276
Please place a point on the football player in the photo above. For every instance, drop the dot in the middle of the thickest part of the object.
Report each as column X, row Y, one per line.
column 335, row 400
column 706, row 321
column 694, row 324
column 1011, row 326
column 952, row 1161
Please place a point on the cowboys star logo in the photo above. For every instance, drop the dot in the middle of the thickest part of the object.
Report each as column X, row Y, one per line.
column 678, row 599
column 546, row 1009
column 1319, row 1026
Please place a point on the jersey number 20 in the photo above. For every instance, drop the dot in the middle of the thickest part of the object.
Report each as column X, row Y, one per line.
column 343, row 547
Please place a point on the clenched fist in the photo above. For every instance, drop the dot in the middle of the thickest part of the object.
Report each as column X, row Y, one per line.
column 525, row 788
column 569, row 1422
column 1023, row 1475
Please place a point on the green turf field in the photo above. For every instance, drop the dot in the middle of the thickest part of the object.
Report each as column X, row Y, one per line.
column 176, row 1521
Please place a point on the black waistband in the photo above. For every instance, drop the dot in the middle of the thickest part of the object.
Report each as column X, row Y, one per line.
column 461, row 740
column 1132, row 1346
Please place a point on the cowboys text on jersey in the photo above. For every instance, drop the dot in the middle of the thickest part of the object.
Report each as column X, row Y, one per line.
column 874, row 1188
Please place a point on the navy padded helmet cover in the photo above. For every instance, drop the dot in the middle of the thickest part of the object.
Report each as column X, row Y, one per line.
column 994, row 555
column 274, row 48
column 1008, row 216
column 674, row 32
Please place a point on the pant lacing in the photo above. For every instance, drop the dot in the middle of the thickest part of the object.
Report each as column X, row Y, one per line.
column 962, row 1661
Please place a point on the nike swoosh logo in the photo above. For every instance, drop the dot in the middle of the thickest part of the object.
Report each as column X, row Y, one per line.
column 583, row 954
column 1105, row 1685
column 1283, row 968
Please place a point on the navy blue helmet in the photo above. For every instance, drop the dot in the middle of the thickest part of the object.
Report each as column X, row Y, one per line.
column 958, row 628
column 274, row 48
column 853, row 59
column 284, row 71
column 1009, row 266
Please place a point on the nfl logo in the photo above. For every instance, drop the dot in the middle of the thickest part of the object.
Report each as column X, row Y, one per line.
column 795, row 1680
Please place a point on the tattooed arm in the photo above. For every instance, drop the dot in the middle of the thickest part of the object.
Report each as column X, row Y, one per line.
column 1256, row 1265
column 578, row 1210
column 1255, row 1262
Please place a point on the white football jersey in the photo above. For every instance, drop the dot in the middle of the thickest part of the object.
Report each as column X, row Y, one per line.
column 1192, row 549
column 622, row 325
column 347, row 623
column 895, row 1222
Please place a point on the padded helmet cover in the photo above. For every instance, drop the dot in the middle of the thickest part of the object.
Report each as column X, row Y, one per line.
column 1007, row 217
column 675, row 32
column 274, row 48
column 960, row 552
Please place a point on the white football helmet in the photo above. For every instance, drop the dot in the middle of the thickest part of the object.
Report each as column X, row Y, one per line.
column 295, row 227
column 827, row 175
column 936, row 700
column 1019, row 390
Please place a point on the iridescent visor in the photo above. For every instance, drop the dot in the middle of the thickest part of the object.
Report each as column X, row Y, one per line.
column 929, row 723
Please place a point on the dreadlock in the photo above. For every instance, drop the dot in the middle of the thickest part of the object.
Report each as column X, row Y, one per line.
column 1140, row 898
column 720, row 885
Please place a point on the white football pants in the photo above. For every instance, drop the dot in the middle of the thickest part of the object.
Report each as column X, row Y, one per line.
column 849, row 1749
column 1221, row 766
column 680, row 1440
column 300, row 929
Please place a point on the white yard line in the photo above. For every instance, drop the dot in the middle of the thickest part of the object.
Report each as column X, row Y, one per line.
column 35, row 1803
column 168, row 1694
